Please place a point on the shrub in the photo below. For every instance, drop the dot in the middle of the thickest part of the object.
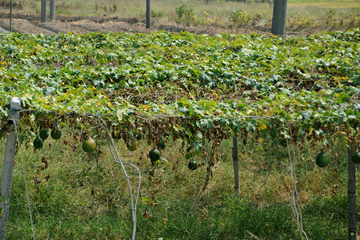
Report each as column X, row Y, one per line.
column 184, row 11
column 239, row 17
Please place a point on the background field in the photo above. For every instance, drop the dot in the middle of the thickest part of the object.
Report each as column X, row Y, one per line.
column 304, row 17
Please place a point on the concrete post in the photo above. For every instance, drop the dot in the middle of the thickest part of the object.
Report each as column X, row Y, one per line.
column 52, row 10
column 43, row 11
column 147, row 13
column 279, row 18
column 6, row 178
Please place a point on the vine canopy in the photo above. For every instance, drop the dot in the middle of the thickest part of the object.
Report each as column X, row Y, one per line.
column 196, row 88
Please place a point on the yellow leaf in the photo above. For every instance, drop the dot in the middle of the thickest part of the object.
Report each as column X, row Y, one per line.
column 262, row 126
column 146, row 200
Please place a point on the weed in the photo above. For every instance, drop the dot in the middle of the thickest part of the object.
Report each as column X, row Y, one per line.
column 331, row 17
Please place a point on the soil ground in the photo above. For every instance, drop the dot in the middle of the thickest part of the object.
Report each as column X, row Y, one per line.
column 30, row 24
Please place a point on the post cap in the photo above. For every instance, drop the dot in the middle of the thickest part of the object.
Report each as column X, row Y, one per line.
column 15, row 104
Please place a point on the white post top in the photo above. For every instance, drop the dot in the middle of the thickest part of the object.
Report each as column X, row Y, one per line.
column 15, row 104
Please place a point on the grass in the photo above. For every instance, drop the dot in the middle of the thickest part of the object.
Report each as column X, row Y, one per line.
column 303, row 15
column 87, row 197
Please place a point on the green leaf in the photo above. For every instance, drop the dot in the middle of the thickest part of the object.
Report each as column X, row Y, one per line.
column 198, row 146
column 198, row 135
column 203, row 124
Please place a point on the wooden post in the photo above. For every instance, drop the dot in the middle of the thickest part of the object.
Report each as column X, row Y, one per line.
column 43, row 11
column 235, row 154
column 10, row 15
column 279, row 17
column 352, row 196
column 6, row 178
column 52, row 10
column 147, row 13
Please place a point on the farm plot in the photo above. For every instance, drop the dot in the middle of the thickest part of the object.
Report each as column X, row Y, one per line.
column 192, row 92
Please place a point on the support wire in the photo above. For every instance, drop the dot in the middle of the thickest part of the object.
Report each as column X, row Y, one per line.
column 295, row 192
column 24, row 174
column 118, row 160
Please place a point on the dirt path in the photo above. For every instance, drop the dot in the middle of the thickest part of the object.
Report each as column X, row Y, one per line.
column 30, row 24
column 3, row 30
column 23, row 26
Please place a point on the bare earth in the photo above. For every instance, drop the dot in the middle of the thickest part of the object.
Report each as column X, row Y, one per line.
column 30, row 24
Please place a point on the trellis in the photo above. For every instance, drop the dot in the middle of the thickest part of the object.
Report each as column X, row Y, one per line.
column 15, row 108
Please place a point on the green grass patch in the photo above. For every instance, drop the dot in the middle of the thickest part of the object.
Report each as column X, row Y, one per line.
column 85, row 199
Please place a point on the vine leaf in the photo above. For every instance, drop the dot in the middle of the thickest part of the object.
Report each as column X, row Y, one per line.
column 198, row 146
column 120, row 113
column 306, row 114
